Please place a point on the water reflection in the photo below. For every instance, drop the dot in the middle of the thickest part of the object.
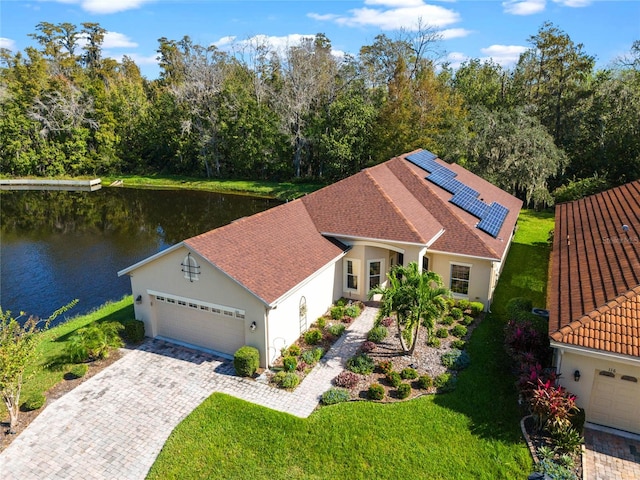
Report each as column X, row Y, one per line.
column 59, row 245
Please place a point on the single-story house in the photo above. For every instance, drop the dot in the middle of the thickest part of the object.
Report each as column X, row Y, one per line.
column 594, row 304
column 263, row 280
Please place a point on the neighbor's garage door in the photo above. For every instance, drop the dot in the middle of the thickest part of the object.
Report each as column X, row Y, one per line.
column 615, row 401
column 204, row 329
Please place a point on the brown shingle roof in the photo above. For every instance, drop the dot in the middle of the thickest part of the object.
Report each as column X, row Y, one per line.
column 595, row 271
column 269, row 252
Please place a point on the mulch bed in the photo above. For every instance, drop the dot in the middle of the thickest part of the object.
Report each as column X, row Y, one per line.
column 55, row 392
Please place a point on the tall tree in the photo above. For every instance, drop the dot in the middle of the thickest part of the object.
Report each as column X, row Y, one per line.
column 414, row 298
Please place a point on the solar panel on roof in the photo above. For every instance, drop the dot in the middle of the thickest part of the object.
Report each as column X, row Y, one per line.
column 493, row 219
column 477, row 208
column 425, row 160
column 464, row 197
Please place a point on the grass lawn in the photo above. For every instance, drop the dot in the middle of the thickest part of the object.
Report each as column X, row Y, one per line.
column 471, row 433
column 52, row 362
column 281, row 191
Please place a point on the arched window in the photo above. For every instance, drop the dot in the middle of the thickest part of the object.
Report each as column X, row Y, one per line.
column 190, row 268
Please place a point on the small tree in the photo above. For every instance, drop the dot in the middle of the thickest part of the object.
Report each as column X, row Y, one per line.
column 17, row 351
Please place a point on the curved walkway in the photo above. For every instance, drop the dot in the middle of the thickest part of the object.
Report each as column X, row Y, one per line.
column 114, row 425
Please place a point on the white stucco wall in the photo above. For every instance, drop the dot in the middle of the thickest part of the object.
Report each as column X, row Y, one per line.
column 568, row 362
column 284, row 322
column 164, row 274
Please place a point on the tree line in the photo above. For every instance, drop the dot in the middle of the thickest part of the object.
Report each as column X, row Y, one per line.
column 551, row 126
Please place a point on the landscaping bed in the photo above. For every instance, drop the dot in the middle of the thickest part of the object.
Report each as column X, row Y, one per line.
column 423, row 371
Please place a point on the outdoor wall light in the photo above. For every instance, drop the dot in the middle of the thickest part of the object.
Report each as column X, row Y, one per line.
column 576, row 375
column 253, row 326
column 139, row 299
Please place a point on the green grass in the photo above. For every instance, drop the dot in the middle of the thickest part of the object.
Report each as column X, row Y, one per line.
column 471, row 433
column 52, row 363
column 281, row 191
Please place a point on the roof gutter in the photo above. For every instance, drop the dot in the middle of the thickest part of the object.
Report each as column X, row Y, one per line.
column 593, row 352
column 465, row 255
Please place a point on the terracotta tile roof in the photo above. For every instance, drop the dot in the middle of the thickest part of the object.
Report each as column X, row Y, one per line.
column 595, row 271
column 270, row 252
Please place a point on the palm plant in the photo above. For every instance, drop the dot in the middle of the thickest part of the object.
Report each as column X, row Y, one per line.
column 415, row 298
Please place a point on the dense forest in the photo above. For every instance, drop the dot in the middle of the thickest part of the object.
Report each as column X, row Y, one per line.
column 553, row 127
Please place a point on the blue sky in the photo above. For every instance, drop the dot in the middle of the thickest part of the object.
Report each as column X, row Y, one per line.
column 469, row 28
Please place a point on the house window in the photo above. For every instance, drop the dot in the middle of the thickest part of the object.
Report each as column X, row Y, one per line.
column 460, row 279
column 425, row 264
column 190, row 268
column 351, row 268
column 375, row 273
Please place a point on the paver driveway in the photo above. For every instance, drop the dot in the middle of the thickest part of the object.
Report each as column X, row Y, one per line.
column 114, row 425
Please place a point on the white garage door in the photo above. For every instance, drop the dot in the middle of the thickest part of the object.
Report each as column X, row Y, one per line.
column 615, row 401
column 190, row 324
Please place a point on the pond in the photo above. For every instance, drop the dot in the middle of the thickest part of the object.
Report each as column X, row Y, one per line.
column 59, row 245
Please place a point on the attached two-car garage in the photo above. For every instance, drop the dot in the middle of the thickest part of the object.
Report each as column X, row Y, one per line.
column 214, row 327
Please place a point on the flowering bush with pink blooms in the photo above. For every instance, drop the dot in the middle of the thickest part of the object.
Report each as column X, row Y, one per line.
column 552, row 406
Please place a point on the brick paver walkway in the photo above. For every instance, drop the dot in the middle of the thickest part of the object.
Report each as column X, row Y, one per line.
column 114, row 425
column 611, row 457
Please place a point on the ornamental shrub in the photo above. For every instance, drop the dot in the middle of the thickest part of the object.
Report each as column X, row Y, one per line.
column 476, row 308
column 552, row 407
column 246, row 361
column 34, row 402
column 385, row 366
column 459, row 344
column 293, row 351
column 456, row 313
column 463, row 304
column 367, row 347
column 133, row 331
column 352, row 310
column 335, row 395
column 346, row 379
column 361, row 363
column 289, row 363
column 467, row 320
column 425, row 382
column 286, row 380
column 447, row 320
column 394, row 379
column 434, row 342
column 442, row 333
column 459, row 331
column 336, row 329
column 313, row 336
column 377, row 334
column 337, row 312
column 78, row 371
column 386, row 322
column 518, row 304
column 321, row 322
column 404, row 390
column 445, row 382
column 455, row 359
column 555, row 471
column 409, row 373
column 567, row 440
column 94, row 341
column 375, row 392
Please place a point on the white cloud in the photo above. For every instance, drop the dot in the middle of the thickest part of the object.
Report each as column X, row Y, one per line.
column 450, row 33
column 142, row 59
column 574, row 3
column 224, row 41
column 117, row 40
column 504, row 55
column 524, row 7
column 106, row 6
column 7, row 43
column 394, row 15
column 455, row 59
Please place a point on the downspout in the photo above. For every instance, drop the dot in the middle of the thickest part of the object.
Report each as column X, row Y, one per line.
column 266, row 333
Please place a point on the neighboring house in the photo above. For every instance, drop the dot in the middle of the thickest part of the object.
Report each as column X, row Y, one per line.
column 594, row 304
column 264, row 279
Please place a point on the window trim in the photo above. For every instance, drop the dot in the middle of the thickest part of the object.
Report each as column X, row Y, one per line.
column 369, row 262
column 451, row 278
column 355, row 269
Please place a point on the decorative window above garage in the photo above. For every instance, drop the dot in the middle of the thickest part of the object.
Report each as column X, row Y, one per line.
column 190, row 268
